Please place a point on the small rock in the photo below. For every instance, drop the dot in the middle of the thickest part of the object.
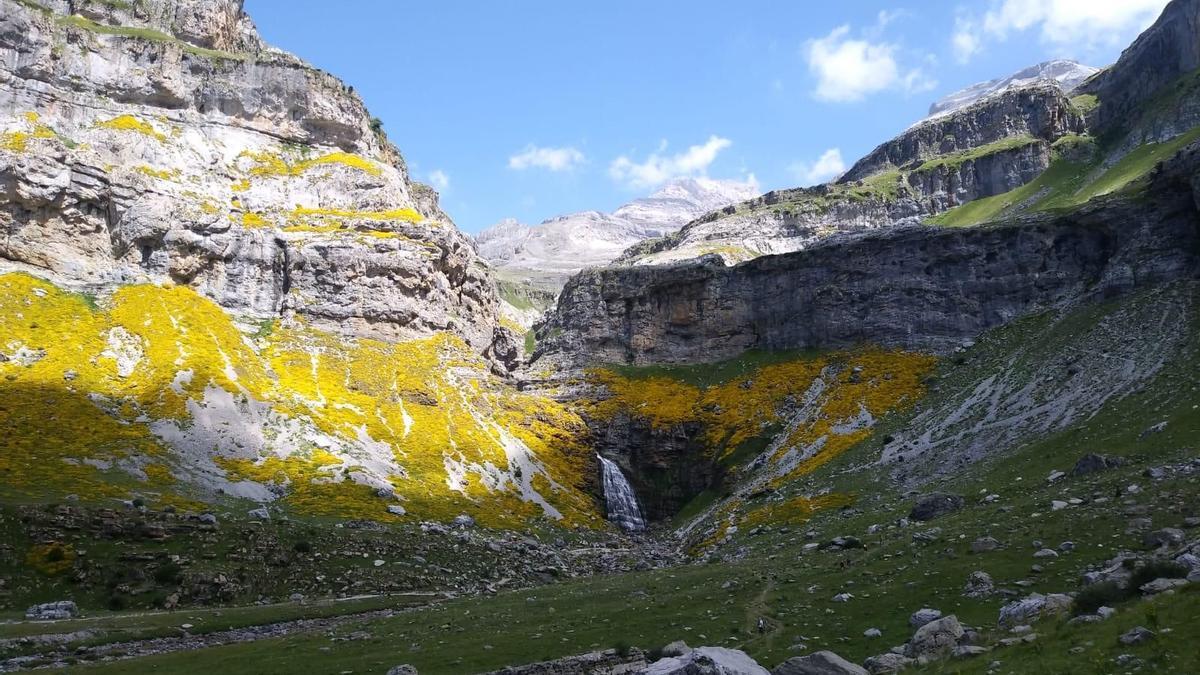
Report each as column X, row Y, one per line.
column 1091, row 463
column 872, row 633
column 842, row 597
column 979, row 585
column 1136, row 636
column 1161, row 586
column 261, row 513
column 402, row 670
column 1058, row 505
column 396, row 510
column 1046, row 553
column 706, row 660
column 1168, row 536
column 819, row 663
column 984, row 545
column 886, row 664
column 969, row 651
column 1054, row 476
column 935, row 505
column 463, row 520
column 923, row 616
column 1106, row 612
column 676, row 648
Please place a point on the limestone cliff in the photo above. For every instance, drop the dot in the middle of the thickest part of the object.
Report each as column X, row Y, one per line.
column 220, row 286
column 162, row 140
column 987, row 148
column 920, row 287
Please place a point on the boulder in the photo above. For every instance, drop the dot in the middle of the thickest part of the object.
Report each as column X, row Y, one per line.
column 979, row 585
column 261, row 513
column 1136, row 635
column 885, row 664
column 935, row 638
column 404, row 669
column 819, row 663
column 1167, row 536
column 707, row 661
column 923, row 616
column 676, row 648
column 1092, row 462
column 985, row 544
column 1162, row 585
column 52, row 611
column 1033, row 607
column 935, row 505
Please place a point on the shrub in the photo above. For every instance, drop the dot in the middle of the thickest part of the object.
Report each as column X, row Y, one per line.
column 1156, row 569
column 623, row 648
column 302, row 547
column 1098, row 595
column 168, row 573
column 117, row 602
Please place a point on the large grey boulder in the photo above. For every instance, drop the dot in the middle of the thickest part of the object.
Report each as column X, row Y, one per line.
column 1033, row 607
column 1092, row 462
column 52, row 611
column 935, row 638
column 886, row 664
column 819, row 663
column 707, row 661
column 936, row 505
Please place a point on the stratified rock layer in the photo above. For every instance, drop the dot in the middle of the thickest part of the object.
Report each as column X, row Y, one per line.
column 162, row 140
column 918, row 287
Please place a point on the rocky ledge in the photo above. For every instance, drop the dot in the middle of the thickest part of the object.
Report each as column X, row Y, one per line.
column 919, row 287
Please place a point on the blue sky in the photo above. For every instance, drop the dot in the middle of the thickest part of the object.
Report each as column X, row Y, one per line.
column 531, row 109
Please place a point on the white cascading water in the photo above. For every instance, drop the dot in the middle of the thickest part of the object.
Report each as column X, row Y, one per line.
column 619, row 499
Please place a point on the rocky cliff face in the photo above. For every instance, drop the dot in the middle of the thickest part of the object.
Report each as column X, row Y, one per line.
column 1067, row 74
column 218, row 275
column 163, row 141
column 1040, row 110
column 550, row 252
column 986, row 148
column 1159, row 56
column 918, row 287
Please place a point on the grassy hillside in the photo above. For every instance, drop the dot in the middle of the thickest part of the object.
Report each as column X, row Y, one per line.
column 770, row 572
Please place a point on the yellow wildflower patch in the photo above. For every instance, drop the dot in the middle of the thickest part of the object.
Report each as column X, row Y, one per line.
column 51, row 559
column 89, row 383
column 131, row 123
column 266, row 163
column 814, row 400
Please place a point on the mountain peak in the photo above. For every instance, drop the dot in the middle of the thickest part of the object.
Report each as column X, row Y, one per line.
column 1066, row 73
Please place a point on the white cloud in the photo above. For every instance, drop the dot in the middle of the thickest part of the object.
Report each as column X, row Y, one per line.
column 965, row 41
column 849, row 69
column 439, row 180
column 659, row 168
column 1079, row 24
column 553, row 159
column 828, row 166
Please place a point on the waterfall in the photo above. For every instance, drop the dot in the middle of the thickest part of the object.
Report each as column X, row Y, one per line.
column 619, row 499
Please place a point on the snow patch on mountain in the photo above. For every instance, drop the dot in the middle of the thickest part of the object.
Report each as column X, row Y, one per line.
column 1068, row 75
column 561, row 246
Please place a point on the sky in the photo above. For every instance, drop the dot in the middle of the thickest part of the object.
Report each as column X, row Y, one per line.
column 529, row 109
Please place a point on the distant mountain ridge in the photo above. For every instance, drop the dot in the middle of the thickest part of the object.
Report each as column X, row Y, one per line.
column 561, row 246
column 1066, row 73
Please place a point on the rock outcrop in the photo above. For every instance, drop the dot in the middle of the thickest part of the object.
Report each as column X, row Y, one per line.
column 549, row 253
column 162, row 140
column 987, row 148
column 1040, row 110
column 918, row 287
